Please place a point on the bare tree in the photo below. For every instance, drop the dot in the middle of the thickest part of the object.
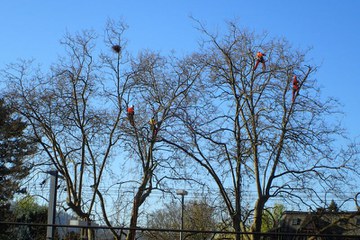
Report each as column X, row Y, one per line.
column 198, row 215
column 160, row 85
column 241, row 125
column 72, row 112
column 78, row 114
column 248, row 134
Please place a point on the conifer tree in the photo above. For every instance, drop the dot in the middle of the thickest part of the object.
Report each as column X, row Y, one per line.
column 14, row 147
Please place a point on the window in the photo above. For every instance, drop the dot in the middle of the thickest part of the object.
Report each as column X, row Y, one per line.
column 296, row 221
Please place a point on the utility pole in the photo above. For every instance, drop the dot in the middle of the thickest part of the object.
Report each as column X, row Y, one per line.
column 50, row 232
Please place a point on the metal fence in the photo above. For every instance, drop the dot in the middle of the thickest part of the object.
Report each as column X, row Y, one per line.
column 146, row 233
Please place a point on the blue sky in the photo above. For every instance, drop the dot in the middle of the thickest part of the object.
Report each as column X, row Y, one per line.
column 32, row 29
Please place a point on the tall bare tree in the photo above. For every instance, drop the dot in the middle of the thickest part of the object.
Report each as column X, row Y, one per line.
column 159, row 85
column 75, row 111
column 246, row 132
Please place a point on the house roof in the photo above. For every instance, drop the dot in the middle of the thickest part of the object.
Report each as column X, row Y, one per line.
column 321, row 221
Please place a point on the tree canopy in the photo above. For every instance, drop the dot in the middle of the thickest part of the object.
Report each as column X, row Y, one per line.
column 198, row 215
column 234, row 126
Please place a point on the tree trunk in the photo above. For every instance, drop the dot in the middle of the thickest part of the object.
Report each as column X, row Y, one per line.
column 87, row 233
column 133, row 220
column 236, row 226
column 138, row 200
column 256, row 227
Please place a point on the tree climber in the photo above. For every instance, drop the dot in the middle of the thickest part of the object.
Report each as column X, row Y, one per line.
column 130, row 113
column 260, row 59
column 153, row 126
column 296, row 88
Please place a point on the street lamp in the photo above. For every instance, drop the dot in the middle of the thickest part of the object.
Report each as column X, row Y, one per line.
column 182, row 193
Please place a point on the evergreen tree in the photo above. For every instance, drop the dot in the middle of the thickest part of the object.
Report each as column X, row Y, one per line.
column 15, row 146
column 271, row 217
column 333, row 207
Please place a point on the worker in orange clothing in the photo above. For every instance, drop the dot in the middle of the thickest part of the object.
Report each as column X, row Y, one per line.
column 130, row 113
column 296, row 88
column 260, row 59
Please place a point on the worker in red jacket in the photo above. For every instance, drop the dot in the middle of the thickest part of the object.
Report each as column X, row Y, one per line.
column 296, row 88
column 130, row 113
column 260, row 59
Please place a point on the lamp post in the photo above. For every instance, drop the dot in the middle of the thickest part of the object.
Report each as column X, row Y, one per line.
column 182, row 193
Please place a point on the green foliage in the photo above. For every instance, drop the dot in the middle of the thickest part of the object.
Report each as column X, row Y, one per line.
column 14, row 147
column 333, row 207
column 271, row 217
column 25, row 210
column 27, row 206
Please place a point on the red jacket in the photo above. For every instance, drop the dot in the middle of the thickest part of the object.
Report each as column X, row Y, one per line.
column 130, row 110
column 295, row 83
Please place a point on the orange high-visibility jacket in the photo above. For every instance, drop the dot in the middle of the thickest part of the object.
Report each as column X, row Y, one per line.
column 259, row 55
column 130, row 110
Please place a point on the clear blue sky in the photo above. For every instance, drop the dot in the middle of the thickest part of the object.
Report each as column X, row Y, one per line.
column 32, row 29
